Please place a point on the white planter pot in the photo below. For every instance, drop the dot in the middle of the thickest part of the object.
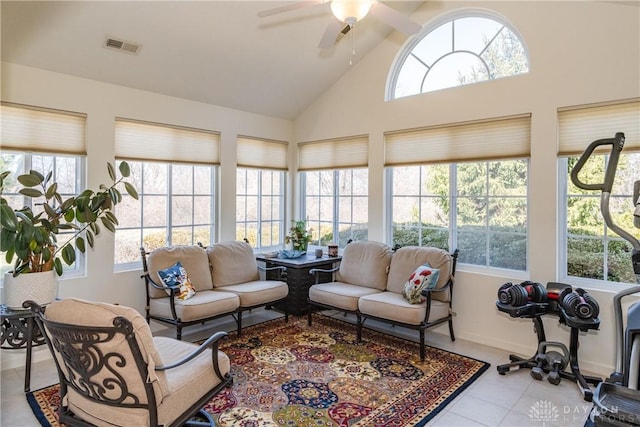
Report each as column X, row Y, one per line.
column 39, row 287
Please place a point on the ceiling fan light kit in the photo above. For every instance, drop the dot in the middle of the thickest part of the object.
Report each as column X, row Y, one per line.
column 350, row 11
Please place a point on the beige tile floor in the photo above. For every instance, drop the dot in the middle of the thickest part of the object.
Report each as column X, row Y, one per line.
column 513, row 399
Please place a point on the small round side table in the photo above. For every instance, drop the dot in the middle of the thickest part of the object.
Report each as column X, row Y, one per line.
column 18, row 332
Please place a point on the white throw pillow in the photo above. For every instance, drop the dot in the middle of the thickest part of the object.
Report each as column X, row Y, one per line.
column 425, row 277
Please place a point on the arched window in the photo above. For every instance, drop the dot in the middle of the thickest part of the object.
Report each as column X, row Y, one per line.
column 468, row 48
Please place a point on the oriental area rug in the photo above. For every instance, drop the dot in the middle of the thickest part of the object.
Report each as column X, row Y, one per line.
column 292, row 374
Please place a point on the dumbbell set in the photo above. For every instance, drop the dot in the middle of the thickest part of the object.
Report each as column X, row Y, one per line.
column 575, row 303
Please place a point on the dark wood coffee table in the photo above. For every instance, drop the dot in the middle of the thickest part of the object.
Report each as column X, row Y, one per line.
column 299, row 279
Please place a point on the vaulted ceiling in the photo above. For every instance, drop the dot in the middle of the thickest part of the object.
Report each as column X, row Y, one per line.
column 217, row 52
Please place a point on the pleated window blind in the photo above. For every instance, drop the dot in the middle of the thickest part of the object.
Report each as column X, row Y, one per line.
column 506, row 137
column 580, row 126
column 338, row 153
column 146, row 141
column 261, row 153
column 27, row 128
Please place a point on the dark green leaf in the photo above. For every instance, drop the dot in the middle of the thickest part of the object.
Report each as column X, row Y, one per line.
column 118, row 198
column 30, row 192
column 29, row 180
column 9, row 256
column 38, row 174
column 108, row 224
column 46, row 254
column 67, row 204
column 90, row 239
column 131, row 190
column 51, row 191
column 112, row 171
column 7, row 239
column 49, row 210
column 125, row 170
column 68, row 254
column 111, row 217
column 8, row 218
column 48, row 178
column 58, row 266
column 69, row 215
column 93, row 226
column 80, row 244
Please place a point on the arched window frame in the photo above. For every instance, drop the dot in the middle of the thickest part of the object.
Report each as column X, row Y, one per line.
column 412, row 42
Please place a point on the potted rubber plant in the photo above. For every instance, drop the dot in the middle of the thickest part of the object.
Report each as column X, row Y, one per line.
column 31, row 239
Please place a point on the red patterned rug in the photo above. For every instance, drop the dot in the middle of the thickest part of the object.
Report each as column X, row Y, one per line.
column 292, row 374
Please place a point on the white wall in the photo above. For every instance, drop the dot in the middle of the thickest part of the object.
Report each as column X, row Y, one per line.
column 102, row 103
column 580, row 53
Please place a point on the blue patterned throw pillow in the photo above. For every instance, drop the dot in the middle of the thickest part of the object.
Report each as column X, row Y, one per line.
column 425, row 277
column 176, row 277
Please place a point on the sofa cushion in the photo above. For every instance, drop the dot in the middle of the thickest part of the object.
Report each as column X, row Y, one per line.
column 232, row 263
column 406, row 259
column 80, row 312
column 193, row 379
column 193, row 259
column 365, row 263
column 424, row 277
column 392, row 306
column 203, row 304
column 258, row 292
column 339, row 294
column 176, row 277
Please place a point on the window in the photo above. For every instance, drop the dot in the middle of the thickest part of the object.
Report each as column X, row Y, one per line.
column 475, row 47
column 592, row 251
column 433, row 169
column 173, row 169
column 260, row 207
column 336, row 205
column 260, row 189
column 490, row 216
column 334, row 182
column 66, row 171
column 45, row 140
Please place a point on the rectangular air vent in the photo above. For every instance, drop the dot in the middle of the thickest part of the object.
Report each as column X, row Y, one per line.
column 121, row 45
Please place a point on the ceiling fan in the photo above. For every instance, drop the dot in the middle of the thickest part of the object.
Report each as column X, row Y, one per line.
column 345, row 15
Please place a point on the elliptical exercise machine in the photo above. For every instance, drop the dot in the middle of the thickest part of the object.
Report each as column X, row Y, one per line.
column 617, row 400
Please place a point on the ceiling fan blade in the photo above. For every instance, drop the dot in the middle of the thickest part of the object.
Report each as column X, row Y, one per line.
column 394, row 18
column 288, row 7
column 331, row 33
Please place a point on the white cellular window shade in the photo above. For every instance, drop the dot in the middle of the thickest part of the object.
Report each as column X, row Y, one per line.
column 27, row 128
column 261, row 153
column 580, row 126
column 506, row 137
column 338, row 153
column 145, row 141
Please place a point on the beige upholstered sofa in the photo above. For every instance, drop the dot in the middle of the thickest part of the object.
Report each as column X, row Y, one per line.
column 370, row 279
column 226, row 279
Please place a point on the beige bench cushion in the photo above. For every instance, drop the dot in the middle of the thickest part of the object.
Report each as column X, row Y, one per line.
column 393, row 306
column 406, row 259
column 365, row 264
column 202, row 305
column 339, row 294
column 193, row 259
column 232, row 263
column 193, row 379
column 258, row 292
column 87, row 313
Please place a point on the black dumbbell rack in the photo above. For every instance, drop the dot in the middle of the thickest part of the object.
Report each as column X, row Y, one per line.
column 535, row 311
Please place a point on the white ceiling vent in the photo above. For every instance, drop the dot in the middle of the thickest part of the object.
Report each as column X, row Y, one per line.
column 121, row 45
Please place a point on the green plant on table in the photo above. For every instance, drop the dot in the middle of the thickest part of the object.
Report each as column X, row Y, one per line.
column 299, row 235
column 32, row 237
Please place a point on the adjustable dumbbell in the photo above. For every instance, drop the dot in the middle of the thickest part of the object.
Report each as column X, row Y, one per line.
column 512, row 294
column 580, row 304
column 519, row 294
column 536, row 291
